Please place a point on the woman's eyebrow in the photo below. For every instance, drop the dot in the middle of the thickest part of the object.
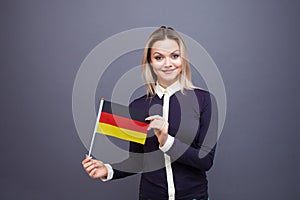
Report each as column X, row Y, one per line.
column 162, row 53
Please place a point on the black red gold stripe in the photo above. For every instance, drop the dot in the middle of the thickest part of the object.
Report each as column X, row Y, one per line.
column 118, row 121
column 123, row 122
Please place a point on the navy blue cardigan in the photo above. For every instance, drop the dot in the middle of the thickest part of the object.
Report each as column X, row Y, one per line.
column 193, row 123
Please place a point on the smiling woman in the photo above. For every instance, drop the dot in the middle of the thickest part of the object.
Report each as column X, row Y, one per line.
column 166, row 61
column 179, row 128
column 165, row 45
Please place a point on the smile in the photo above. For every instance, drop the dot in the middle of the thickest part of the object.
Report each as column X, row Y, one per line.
column 168, row 71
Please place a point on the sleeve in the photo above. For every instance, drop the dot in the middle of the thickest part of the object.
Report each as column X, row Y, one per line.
column 200, row 153
column 168, row 144
column 130, row 166
column 110, row 173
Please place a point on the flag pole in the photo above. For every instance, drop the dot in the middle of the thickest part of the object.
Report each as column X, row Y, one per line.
column 96, row 125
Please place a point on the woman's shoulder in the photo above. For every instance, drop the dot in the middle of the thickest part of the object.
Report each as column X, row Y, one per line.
column 139, row 102
column 203, row 96
column 200, row 92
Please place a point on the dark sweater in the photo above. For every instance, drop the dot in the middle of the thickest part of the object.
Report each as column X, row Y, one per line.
column 193, row 122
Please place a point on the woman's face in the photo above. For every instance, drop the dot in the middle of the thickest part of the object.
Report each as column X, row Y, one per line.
column 166, row 61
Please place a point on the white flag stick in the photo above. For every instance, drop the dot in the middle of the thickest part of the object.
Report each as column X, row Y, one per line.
column 96, row 125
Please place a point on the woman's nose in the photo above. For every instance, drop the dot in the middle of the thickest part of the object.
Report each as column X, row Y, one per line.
column 168, row 62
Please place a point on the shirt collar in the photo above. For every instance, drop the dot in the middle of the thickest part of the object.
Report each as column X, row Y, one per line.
column 160, row 91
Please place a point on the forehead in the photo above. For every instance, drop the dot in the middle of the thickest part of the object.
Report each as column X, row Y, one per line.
column 165, row 46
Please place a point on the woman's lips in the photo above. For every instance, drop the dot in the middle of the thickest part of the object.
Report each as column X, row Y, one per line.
column 168, row 71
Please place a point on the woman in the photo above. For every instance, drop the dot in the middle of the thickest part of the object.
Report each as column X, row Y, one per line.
column 181, row 126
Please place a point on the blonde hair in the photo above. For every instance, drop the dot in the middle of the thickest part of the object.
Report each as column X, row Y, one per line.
column 149, row 76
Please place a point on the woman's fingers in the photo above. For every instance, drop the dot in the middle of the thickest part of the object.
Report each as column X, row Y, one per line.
column 160, row 127
column 94, row 168
column 155, row 124
column 87, row 164
column 159, row 124
column 150, row 118
column 92, row 172
column 98, row 163
column 92, row 164
column 87, row 159
column 154, row 119
column 90, row 167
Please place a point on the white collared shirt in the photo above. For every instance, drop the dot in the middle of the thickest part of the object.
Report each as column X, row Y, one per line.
column 167, row 93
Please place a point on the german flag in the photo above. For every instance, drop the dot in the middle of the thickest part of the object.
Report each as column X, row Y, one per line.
column 121, row 122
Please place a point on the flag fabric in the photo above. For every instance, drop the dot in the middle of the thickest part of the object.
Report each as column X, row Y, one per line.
column 118, row 121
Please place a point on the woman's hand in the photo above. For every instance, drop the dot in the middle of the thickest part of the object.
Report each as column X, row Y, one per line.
column 94, row 168
column 160, row 127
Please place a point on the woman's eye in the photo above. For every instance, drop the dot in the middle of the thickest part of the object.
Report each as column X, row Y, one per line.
column 158, row 57
column 175, row 56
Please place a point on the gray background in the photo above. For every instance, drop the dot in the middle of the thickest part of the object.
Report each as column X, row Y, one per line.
column 255, row 44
